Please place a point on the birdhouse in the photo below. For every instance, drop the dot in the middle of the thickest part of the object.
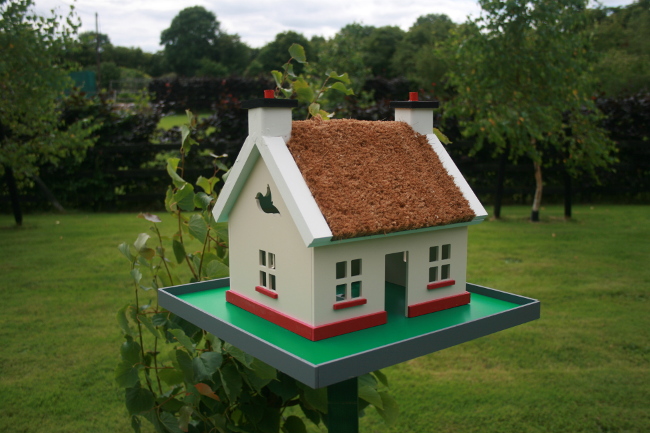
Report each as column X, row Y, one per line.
column 336, row 226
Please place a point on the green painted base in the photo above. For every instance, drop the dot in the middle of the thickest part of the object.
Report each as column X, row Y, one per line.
column 322, row 363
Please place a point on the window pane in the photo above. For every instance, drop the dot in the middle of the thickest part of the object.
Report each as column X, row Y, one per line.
column 445, row 272
column 433, row 254
column 262, row 258
column 446, row 251
column 272, row 285
column 340, row 292
column 341, row 269
column 271, row 260
column 433, row 274
column 355, row 289
column 262, row 279
column 355, row 268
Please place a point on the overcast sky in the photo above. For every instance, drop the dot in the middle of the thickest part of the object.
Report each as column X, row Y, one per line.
column 138, row 23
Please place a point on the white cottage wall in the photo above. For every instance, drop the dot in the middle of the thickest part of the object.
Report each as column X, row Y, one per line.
column 252, row 230
column 373, row 253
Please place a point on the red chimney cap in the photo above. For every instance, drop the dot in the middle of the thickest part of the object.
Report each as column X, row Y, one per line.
column 269, row 94
column 413, row 96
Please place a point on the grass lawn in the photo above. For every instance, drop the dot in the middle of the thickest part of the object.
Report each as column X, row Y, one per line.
column 583, row 367
column 168, row 122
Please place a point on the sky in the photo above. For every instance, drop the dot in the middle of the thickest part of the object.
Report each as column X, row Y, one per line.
column 138, row 23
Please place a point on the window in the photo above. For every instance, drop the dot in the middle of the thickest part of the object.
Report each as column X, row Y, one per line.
column 348, row 286
column 439, row 257
column 267, row 270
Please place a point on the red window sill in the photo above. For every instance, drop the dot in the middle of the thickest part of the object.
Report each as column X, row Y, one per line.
column 264, row 291
column 439, row 284
column 347, row 304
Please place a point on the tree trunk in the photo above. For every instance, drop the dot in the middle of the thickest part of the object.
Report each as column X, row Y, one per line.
column 503, row 159
column 48, row 193
column 13, row 194
column 567, row 195
column 537, row 200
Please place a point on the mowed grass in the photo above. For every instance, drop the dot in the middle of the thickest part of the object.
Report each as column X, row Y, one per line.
column 583, row 367
column 169, row 121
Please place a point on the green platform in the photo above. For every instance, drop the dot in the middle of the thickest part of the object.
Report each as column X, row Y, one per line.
column 322, row 363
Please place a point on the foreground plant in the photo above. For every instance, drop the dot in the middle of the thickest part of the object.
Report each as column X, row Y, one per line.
column 181, row 378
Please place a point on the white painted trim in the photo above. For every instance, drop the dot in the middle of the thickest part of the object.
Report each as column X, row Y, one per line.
column 459, row 180
column 237, row 176
column 297, row 197
column 323, row 242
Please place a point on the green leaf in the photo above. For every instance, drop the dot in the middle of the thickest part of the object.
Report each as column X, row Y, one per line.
column 172, row 165
column 171, row 376
column 293, row 424
column 180, row 336
column 123, row 320
column 341, row 88
column 169, row 196
column 316, row 398
column 216, row 269
column 208, row 184
column 146, row 321
column 141, row 242
column 371, row 395
column 184, row 417
column 136, row 275
column 379, row 375
column 314, row 109
column 139, row 399
column 148, row 253
column 231, row 381
column 298, row 53
column 126, row 374
column 343, row 78
column 179, row 251
column 390, row 411
column 198, row 227
column 285, row 387
column 263, row 370
column 184, row 198
column 206, row 365
column 184, row 362
column 136, row 423
column 442, row 137
column 277, row 76
column 130, row 352
column 125, row 249
column 311, row 414
column 169, row 422
column 238, row 354
column 221, row 166
column 303, row 91
column 186, row 140
column 202, row 200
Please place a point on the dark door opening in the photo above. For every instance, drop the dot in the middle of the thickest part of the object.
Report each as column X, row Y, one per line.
column 396, row 276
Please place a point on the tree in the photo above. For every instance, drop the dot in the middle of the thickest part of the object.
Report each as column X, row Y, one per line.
column 417, row 55
column 274, row 54
column 192, row 35
column 522, row 76
column 623, row 36
column 380, row 46
column 32, row 81
column 195, row 35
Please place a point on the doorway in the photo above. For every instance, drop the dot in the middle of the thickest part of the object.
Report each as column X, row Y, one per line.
column 396, row 283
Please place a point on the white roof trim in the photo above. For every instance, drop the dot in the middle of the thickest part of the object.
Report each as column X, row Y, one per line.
column 294, row 190
column 459, row 180
column 302, row 207
column 237, row 176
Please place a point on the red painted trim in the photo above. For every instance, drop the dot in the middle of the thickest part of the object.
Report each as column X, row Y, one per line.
column 348, row 304
column 313, row 333
column 264, row 291
column 441, row 283
column 438, row 304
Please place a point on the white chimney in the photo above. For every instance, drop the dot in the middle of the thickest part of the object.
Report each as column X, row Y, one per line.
column 270, row 117
column 418, row 114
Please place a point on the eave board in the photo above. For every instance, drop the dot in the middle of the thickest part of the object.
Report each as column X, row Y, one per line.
column 322, row 363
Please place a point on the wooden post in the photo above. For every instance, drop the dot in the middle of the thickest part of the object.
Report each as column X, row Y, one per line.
column 343, row 407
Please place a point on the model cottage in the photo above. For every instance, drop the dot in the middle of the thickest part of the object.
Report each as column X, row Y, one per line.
column 336, row 226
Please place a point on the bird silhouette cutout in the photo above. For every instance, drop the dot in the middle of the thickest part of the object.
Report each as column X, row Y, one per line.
column 266, row 202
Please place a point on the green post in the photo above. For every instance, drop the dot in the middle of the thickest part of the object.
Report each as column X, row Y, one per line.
column 343, row 407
